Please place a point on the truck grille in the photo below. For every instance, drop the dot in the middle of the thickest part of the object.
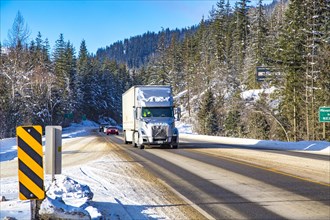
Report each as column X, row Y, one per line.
column 159, row 131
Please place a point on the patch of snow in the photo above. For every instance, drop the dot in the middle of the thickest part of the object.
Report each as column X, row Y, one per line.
column 57, row 209
column 254, row 94
column 9, row 208
column 107, row 120
column 179, row 95
column 78, row 130
column 70, row 191
column 184, row 128
column 8, row 149
column 320, row 147
column 66, row 198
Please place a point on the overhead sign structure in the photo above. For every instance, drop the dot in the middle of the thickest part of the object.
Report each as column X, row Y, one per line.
column 30, row 162
column 324, row 114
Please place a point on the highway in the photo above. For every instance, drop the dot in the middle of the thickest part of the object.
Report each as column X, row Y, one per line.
column 224, row 185
column 219, row 181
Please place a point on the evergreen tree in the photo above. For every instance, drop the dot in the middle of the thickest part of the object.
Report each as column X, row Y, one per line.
column 72, row 88
column 318, row 64
column 160, row 66
column 256, row 45
column 63, row 60
column 41, row 80
column 207, row 118
column 83, row 71
column 292, row 42
column 241, row 32
column 219, row 18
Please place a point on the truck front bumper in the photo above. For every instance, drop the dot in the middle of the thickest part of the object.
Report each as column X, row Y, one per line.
column 159, row 141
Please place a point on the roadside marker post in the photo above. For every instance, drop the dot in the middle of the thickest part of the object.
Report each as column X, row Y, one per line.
column 30, row 162
column 30, row 166
column 53, row 152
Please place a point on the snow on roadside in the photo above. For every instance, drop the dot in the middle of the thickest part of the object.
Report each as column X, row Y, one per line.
column 78, row 130
column 184, row 128
column 320, row 147
column 75, row 198
column 68, row 199
column 118, row 188
column 8, row 146
column 8, row 149
column 13, row 207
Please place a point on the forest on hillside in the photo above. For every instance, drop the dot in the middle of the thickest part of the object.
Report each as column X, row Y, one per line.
column 211, row 64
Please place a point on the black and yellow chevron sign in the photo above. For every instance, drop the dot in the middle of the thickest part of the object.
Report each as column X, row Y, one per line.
column 30, row 165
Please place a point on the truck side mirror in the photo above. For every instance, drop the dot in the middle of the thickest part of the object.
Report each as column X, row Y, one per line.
column 134, row 112
column 178, row 113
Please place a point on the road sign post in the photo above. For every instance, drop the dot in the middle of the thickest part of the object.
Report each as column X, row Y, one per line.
column 324, row 116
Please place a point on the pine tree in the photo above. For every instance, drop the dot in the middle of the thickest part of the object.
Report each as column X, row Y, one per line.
column 256, row 45
column 207, row 118
column 241, row 33
column 82, row 80
column 219, row 18
column 41, row 81
column 292, row 43
column 175, row 61
column 161, row 69
column 72, row 88
column 319, row 63
column 60, row 103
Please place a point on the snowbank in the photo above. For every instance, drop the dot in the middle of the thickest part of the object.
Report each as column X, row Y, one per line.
column 67, row 199
column 184, row 128
column 8, row 149
column 322, row 147
column 81, row 129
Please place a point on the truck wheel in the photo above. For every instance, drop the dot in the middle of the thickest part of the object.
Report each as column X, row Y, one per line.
column 133, row 143
column 125, row 140
column 133, row 140
column 174, row 146
column 137, row 143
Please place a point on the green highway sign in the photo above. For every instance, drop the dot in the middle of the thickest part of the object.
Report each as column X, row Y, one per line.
column 324, row 114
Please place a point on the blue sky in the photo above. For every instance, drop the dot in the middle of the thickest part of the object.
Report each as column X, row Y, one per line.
column 102, row 22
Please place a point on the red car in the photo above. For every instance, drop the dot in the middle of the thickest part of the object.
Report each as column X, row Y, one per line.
column 112, row 130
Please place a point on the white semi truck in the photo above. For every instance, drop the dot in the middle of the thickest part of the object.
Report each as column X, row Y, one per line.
column 148, row 116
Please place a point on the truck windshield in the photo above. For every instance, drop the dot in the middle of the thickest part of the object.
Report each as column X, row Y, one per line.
column 157, row 112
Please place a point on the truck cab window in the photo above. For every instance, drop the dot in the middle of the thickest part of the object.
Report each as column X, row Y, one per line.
column 157, row 112
column 146, row 112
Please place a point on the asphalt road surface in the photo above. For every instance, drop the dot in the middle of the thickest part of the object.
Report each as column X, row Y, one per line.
column 225, row 182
